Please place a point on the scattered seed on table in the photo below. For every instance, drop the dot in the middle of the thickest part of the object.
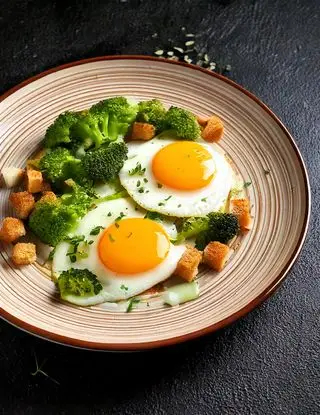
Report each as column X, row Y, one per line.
column 159, row 52
column 189, row 43
column 170, row 53
column 189, row 35
column 178, row 49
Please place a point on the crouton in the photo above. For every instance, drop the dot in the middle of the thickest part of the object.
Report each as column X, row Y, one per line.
column 215, row 255
column 48, row 197
column 142, row 131
column 213, row 130
column 241, row 209
column 23, row 203
column 11, row 176
column 11, row 230
column 187, row 267
column 203, row 121
column 24, row 254
column 34, row 180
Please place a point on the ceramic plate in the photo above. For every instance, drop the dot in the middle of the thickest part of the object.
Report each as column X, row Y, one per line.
column 261, row 150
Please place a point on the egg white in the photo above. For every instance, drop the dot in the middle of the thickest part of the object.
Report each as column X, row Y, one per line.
column 110, row 280
column 169, row 201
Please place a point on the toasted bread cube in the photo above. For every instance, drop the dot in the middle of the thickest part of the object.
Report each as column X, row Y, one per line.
column 187, row 267
column 34, row 181
column 12, row 176
column 142, row 131
column 203, row 121
column 11, row 229
column 213, row 130
column 241, row 209
column 24, row 254
column 23, row 203
column 215, row 255
column 48, row 197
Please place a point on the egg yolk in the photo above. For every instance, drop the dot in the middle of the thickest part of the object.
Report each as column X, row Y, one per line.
column 183, row 165
column 133, row 245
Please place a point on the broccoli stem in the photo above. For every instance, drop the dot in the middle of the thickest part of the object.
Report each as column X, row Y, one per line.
column 181, row 293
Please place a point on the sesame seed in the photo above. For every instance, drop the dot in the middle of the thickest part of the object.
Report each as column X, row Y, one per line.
column 189, row 35
column 206, row 57
column 158, row 52
column 189, row 43
column 178, row 49
column 155, row 35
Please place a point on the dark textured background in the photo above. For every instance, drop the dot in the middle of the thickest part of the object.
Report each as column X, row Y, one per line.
column 267, row 363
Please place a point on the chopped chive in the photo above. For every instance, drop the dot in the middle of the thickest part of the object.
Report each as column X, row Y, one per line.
column 96, row 230
column 138, row 170
column 138, row 183
column 90, row 242
column 246, row 184
column 161, row 204
column 169, row 197
column 179, row 206
column 145, row 180
column 109, row 214
column 123, row 287
column 141, row 190
column 132, row 301
column 204, row 199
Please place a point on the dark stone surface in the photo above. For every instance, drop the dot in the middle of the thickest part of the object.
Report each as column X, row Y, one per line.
column 267, row 363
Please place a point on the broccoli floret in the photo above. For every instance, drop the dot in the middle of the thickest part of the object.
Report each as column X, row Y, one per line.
column 105, row 163
column 115, row 116
column 59, row 131
column 78, row 282
column 152, row 112
column 182, row 123
column 77, row 198
column 216, row 226
column 51, row 222
column 191, row 227
column 86, row 131
column 59, row 165
column 222, row 227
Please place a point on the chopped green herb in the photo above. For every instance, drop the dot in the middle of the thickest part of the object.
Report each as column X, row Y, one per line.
column 124, row 287
column 145, row 180
column 246, row 184
column 130, row 234
column 137, row 171
column 153, row 216
column 90, row 242
column 161, row 204
column 204, row 199
column 169, row 197
column 138, row 183
column 179, row 206
column 111, row 238
column 96, row 230
column 120, row 216
column 51, row 255
column 141, row 190
column 109, row 214
column 73, row 258
column 132, row 301
column 159, row 185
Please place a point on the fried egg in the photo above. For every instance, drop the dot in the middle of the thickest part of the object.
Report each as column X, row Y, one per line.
column 129, row 255
column 177, row 178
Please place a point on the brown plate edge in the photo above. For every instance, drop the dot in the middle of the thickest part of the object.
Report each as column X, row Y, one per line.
column 217, row 326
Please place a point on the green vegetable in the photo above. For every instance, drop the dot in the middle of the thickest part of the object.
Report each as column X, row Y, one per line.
column 154, row 216
column 152, row 112
column 222, row 227
column 86, row 133
column 59, row 165
column 131, row 303
column 217, row 226
column 59, row 131
column 181, row 293
column 52, row 221
column 137, row 171
column 182, row 123
column 96, row 230
column 78, row 282
column 114, row 115
column 105, row 163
